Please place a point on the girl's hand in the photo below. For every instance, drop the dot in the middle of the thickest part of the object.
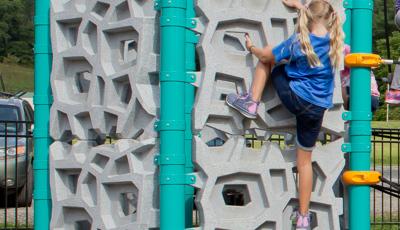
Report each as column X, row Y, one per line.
column 293, row 4
column 249, row 43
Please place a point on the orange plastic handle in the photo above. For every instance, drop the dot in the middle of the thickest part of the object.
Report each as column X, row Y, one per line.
column 361, row 177
column 363, row 60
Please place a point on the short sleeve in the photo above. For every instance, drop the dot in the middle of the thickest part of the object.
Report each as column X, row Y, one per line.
column 283, row 50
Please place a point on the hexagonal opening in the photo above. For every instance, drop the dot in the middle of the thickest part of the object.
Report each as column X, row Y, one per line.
column 121, row 166
column 216, row 142
column 121, row 12
column 123, row 89
column 74, row 218
column 128, row 202
column 236, row 194
column 77, row 72
column 121, row 48
column 82, row 81
column 234, row 41
column 99, row 162
column 67, row 179
column 227, row 84
column 120, row 201
column 100, row 9
column 89, row 38
column 69, row 32
column 89, row 189
column 230, row 35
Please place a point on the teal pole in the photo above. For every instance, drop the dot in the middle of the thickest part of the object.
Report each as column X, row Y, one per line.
column 42, row 101
column 360, row 109
column 191, row 41
column 171, row 126
column 347, row 24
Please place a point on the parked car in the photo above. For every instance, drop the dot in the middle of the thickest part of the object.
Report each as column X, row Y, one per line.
column 16, row 151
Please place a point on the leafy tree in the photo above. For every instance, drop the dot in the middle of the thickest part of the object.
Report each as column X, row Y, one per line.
column 16, row 30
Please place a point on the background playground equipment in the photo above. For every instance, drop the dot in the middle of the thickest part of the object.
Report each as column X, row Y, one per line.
column 105, row 82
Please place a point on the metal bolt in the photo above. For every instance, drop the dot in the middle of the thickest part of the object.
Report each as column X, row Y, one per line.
column 192, row 179
column 168, row 20
column 167, row 178
column 167, row 158
column 169, row 2
column 193, row 22
column 167, row 124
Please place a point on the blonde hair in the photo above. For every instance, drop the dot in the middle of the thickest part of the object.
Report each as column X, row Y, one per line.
column 320, row 11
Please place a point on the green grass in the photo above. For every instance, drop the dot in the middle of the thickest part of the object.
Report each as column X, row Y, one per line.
column 13, row 226
column 379, row 219
column 387, row 147
column 384, row 124
column 16, row 78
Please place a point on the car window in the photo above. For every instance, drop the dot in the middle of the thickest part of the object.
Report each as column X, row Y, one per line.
column 27, row 112
column 9, row 113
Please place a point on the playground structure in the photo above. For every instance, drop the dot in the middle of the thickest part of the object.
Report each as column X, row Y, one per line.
column 112, row 76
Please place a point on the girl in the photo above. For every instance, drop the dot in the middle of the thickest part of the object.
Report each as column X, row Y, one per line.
column 305, row 84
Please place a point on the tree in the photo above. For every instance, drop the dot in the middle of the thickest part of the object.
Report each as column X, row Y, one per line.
column 16, row 29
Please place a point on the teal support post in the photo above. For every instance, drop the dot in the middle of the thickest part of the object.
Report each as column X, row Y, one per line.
column 42, row 101
column 190, row 48
column 347, row 4
column 360, row 108
column 172, row 125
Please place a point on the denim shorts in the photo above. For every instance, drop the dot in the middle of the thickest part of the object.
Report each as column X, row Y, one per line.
column 309, row 117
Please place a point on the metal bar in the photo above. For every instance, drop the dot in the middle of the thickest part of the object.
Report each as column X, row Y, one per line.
column 5, row 176
column 42, row 101
column 16, row 175
column 172, row 98
column 190, row 65
column 383, row 174
column 390, row 178
column 26, row 173
column 398, row 176
column 374, row 159
column 360, row 84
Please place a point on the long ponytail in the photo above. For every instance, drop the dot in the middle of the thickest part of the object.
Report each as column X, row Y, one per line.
column 303, row 34
column 336, row 44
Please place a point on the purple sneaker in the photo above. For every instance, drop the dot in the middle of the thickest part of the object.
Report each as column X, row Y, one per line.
column 393, row 97
column 302, row 222
column 244, row 104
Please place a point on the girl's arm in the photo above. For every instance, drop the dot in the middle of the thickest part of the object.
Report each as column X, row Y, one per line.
column 265, row 54
column 294, row 4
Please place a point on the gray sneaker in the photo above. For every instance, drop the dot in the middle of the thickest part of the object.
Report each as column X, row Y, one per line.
column 244, row 104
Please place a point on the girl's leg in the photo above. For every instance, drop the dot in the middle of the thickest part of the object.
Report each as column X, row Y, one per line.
column 261, row 75
column 245, row 104
column 304, row 168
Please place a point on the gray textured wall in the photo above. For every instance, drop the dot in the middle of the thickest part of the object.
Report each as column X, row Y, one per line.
column 105, row 83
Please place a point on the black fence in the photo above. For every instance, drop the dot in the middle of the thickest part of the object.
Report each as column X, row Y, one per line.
column 385, row 158
column 16, row 175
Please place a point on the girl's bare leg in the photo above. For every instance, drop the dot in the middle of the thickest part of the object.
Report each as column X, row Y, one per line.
column 304, row 168
column 261, row 75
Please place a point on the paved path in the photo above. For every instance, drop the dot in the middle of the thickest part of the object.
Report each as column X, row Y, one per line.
column 21, row 214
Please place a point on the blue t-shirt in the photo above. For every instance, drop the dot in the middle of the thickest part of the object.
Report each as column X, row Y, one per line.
column 313, row 84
